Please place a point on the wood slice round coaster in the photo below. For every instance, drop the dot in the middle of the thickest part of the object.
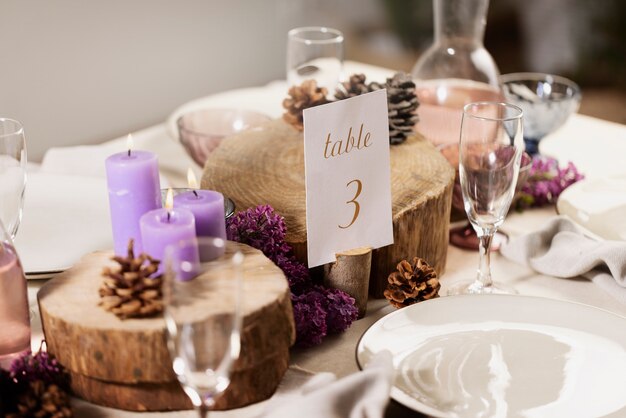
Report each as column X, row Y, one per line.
column 125, row 363
column 266, row 166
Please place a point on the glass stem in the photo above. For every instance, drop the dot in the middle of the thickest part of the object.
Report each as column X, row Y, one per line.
column 484, row 264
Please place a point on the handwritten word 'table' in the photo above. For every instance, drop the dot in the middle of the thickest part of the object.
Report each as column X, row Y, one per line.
column 339, row 147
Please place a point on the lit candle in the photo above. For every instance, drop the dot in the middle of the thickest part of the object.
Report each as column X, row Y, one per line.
column 207, row 207
column 167, row 226
column 134, row 189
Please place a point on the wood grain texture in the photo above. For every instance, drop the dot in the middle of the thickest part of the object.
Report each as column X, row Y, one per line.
column 351, row 273
column 126, row 358
column 266, row 166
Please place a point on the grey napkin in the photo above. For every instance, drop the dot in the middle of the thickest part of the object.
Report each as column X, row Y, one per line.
column 560, row 249
column 360, row 395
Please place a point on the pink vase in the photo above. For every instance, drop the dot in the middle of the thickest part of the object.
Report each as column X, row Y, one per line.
column 14, row 312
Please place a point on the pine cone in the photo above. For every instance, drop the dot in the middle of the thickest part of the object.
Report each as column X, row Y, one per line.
column 128, row 291
column 43, row 400
column 412, row 283
column 355, row 86
column 302, row 97
column 402, row 105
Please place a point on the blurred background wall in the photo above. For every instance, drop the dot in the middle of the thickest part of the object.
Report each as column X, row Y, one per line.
column 81, row 72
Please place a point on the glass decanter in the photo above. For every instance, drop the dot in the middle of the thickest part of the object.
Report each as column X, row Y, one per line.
column 14, row 312
column 455, row 70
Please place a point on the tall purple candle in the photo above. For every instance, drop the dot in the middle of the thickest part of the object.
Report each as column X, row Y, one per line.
column 207, row 207
column 161, row 228
column 134, row 189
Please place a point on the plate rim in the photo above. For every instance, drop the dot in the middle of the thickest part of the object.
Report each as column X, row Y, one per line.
column 437, row 413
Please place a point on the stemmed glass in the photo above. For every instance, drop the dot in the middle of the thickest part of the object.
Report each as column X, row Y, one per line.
column 490, row 152
column 12, row 174
column 203, row 316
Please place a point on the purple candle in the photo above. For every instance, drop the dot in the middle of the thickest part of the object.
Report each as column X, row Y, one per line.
column 134, row 189
column 161, row 228
column 207, row 207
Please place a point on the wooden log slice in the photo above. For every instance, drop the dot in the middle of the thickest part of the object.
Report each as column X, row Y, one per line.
column 266, row 166
column 125, row 363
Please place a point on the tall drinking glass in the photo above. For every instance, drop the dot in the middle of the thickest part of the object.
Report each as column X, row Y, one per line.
column 12, row 174
column 315, row 53
column 202, row 313
column 490, row 152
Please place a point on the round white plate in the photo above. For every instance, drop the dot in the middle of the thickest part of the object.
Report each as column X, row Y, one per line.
column 598, row 205
column 504, row 356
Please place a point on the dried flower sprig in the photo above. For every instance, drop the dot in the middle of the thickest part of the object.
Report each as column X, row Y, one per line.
column 546, row 181
column 317, row 310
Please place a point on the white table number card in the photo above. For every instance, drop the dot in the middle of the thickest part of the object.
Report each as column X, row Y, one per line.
column 348, row 179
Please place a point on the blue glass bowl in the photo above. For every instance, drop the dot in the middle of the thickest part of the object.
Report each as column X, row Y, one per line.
column 547, row 101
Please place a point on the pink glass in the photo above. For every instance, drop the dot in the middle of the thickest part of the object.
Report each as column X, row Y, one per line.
column 201, row 131
column 14, row 313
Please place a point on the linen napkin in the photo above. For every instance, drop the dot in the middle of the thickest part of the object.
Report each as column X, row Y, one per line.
column 364, row 394
column 560, row 249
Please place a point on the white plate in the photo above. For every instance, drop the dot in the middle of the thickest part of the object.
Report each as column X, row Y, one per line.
column 504, row 356
column 65, row 217
column 597, row 205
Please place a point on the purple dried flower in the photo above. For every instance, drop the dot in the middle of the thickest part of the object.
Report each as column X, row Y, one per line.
column 341, row 310
column 546, row 181
column 40, row 366
column 310, row 318
column 296, row 272
column 260, row 228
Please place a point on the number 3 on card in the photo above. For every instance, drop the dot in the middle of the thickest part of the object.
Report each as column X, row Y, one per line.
column 357, row 206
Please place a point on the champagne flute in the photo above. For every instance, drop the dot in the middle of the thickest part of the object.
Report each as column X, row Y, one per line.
column 12, row 174
column 202, row 313
column 490, row 152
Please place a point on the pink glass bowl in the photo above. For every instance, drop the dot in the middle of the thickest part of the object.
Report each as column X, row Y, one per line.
column 201, row 131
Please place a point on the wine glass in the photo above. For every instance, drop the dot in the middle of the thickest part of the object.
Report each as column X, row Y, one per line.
column 202, row 294
column 490, row 152
column 12, row 174
column 315, row 53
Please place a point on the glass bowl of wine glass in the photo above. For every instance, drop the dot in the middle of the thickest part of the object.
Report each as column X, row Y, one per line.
column 201, row 131
column 547, row 101
column 464, row 236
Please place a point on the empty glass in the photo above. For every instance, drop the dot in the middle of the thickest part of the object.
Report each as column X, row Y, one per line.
column 315, row 53
column 490, row 152
column 202, row 312
column 12, row 174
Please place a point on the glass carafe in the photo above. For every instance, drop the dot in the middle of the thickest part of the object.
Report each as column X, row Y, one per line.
column 14, row 312
column 455, row 70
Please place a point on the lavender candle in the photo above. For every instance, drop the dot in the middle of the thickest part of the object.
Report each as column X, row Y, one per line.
column 207, row 207
column 161, row 228
column 134, row 189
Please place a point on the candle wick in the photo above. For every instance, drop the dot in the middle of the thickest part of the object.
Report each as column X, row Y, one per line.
column 195, row 193
column 168, row 216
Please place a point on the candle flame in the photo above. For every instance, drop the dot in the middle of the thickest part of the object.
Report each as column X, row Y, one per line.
column 191, row 179
column 169, row 200
column 129, row 143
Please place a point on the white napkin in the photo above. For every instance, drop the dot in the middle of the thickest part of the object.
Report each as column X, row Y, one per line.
column 364, row 394
column 560, row 249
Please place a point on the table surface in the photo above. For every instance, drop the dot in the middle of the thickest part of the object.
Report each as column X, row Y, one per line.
column 575, row 141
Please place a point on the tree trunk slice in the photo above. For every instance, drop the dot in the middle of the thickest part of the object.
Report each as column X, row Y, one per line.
column 351, row 273
column 266, row 166
column 127, row 358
